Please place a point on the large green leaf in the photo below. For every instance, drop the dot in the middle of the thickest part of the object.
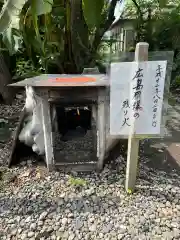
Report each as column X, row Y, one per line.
column 92, row 10
column 11, row 9
column 12, row 40
column 41, row 7
column 10, row 13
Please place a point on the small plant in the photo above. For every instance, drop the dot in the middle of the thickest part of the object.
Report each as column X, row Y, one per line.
column 129, row 191
column 77, row 182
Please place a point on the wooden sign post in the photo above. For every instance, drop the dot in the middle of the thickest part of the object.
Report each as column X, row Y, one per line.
column 141, row 54
column 136, row 100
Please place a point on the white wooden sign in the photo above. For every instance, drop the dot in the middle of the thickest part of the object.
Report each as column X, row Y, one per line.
column 136, row 97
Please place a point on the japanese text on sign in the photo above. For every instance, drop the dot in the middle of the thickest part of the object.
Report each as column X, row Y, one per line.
column 137, row 94
column 156, row 96
column 126, row 108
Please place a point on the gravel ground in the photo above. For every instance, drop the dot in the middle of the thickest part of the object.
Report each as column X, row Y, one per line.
column 35, row 204
column 10, row 113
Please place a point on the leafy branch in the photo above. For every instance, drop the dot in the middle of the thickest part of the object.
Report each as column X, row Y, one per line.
column 104, row 26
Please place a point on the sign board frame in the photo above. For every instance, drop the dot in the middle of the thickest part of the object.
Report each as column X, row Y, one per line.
column 152, row 56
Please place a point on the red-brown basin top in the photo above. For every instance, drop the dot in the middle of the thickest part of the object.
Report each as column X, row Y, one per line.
column 63, row 80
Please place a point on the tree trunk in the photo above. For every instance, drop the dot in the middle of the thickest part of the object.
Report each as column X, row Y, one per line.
column 68, row 63
column 5, row 79
column 84, row 53
column 79, row 36
column 104, row 26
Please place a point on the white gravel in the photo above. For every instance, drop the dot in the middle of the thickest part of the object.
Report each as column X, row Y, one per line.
column 35, row 204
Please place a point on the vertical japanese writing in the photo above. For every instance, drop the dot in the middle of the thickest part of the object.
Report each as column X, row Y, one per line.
column 137, row 92
column 126, row 107
column 156, row 96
